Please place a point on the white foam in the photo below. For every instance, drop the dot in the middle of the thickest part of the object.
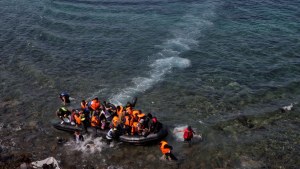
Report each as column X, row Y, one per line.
column 89, row 145
column 178, row 134
column 186, row 35
column 160, row 68
column 114, row 167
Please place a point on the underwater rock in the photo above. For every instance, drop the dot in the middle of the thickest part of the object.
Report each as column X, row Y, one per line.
column 32, row 125
column 245, row 121
column 150, row 157
column 248, row 163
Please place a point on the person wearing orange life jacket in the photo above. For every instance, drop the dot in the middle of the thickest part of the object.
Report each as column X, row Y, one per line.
column 115, row 128
column 129, row 110
column 141, row 116
column 83, row 105
column 127, row 123
column 120, row 112
column 165, row 148
column 134, row 115
column 81, row 120
column 115, row 122
column 77, row 119
column 134, row 128
column 95, row 122
column 95, row 104
column 72, row 117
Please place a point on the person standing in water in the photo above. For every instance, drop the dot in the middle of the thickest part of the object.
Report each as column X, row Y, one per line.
column 78, row 137
column 188, row 134
column 165, row 148
column 65, row 98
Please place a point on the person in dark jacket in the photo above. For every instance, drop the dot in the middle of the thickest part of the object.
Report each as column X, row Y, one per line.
column 78, row 137
column 63, row 113
column 65, row 98
column 155, row 126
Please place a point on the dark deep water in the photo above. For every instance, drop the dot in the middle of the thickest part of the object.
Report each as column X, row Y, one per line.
column 223, row 67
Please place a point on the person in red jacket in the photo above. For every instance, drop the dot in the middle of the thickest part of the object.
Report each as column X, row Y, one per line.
column 188, row 134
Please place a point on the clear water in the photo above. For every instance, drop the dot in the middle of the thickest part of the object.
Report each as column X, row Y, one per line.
column 224, row 68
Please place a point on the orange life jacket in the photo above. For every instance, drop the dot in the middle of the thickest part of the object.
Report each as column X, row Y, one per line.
column 119, row 112
column 95, row 104
column 127, row 121
column 95, row 121
column 162, row 149
column 134, row 128
column 77, row 119
column 83, row 105
column 115, row 121
column 135, row 112
column 140, row 116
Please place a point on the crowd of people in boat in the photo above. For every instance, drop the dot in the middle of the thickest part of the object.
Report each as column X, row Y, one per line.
column 120, row 120
column 103, row 115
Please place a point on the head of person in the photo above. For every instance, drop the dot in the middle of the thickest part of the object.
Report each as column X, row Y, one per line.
column 189, row 128
column 118, row 108
column 149, row 115
column 128, row 104
column 77, row 132
column 154, row 119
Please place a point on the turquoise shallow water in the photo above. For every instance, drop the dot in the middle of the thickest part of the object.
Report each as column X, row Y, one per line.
column 223, row 67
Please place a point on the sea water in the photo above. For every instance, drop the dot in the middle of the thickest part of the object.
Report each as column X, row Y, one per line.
column 223, row 67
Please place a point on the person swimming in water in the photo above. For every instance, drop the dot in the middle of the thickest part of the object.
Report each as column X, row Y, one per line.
column 65, row 98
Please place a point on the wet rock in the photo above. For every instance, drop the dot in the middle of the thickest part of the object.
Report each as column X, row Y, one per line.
column 245, row 121
column 32, row 125
column 30, row 137
column 13, row 159
column 10, row 103
column 6, row 157
column 61, row 140
column 53, row 148
column 248, row 163
column 150, row 157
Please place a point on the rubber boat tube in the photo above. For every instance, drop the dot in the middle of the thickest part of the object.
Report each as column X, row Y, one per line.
column 136, row 140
